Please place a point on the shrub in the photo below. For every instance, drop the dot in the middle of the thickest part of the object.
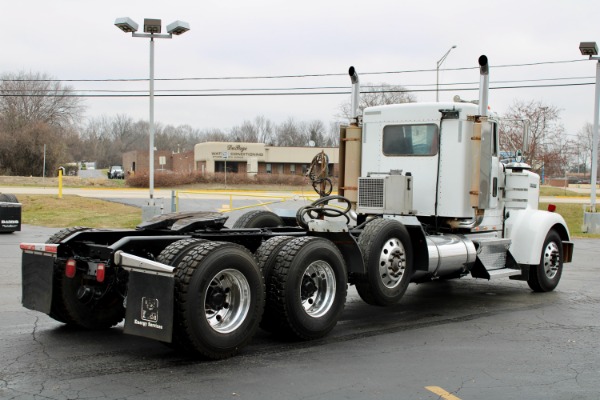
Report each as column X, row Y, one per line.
column 173, row 179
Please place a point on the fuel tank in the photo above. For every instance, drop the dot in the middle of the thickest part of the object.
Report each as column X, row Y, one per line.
column 448, row 255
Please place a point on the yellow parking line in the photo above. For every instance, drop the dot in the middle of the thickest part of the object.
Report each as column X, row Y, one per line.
column 442, row 393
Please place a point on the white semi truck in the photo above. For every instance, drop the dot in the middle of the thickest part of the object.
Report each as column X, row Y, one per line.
column 424, row 196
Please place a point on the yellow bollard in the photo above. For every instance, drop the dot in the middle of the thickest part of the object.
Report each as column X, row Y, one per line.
column 60, row 176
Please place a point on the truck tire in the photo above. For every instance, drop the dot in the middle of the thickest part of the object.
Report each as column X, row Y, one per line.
column 66, row 305
column 220, row 297
column 172, row 255
column 545, row 276
column 307, row 292
column 57, row 310
column 387, row 255
column 258, row 219
column 96, row 314
column 266, row 257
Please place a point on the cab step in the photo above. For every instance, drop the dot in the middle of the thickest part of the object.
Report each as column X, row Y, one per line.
column 493, row 259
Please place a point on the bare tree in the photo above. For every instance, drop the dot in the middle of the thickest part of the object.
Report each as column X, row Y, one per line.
column 177, row 138
column 214, row 135
column 35, row 110
column 333, row 134
column 244, row 133
column 23, row 154
column 549, row 149
column 105, row 139
column 585, row 143
column 258, row 131
column 315, row 131
column 377, row 95
column 36, row 97
column 289, row 133
column 264, row 129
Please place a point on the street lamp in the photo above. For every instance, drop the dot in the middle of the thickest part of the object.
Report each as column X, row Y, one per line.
column 152, row 30
column 591, row 49
column 437, row 73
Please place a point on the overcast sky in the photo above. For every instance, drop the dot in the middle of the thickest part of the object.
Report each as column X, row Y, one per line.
column 77, row 40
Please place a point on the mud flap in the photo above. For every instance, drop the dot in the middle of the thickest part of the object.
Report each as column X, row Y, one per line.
column 150, row 305
column 37, row 273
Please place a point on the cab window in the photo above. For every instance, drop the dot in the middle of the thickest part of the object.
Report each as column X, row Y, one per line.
column 410, row 140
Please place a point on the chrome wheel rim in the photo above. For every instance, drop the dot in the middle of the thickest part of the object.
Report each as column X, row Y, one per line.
column 392, row 263
column 227, row 301
column 317, row 288
column 551, row 260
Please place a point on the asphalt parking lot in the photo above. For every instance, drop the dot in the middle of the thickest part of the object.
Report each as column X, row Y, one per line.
column 462, row 339
column 467, row 339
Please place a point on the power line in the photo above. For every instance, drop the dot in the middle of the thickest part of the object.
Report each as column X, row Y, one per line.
column 364, row 87
column 344, row 92
column 289, row 76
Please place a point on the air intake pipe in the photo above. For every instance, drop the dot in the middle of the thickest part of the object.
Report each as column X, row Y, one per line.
column 484, row 85
column 354, row 105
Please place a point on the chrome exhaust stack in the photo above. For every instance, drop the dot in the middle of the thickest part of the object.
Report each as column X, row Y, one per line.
column 484, row 85
column 355, row 103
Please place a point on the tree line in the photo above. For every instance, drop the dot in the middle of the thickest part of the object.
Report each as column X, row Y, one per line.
column 105, row 139
column 42, row 126
column 38, row 113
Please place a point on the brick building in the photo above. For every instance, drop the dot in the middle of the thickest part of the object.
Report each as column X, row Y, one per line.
column 137, row 161
column 249, row 158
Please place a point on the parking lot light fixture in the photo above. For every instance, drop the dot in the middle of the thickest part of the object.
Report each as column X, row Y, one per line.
column 152, row 30
column 591, row 49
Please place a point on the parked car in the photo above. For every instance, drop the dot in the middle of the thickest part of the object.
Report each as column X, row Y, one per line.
column 116, row 172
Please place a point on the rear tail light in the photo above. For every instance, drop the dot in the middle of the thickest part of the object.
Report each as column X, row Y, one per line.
column 551, row 207
column 70, row 268
column 100, row 270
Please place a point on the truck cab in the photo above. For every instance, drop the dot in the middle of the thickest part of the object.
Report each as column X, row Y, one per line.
column 433, row 142
column 435, row 169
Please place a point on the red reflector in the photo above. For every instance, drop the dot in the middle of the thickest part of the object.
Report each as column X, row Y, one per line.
column 27, row 246
column 551, row 207
column 100, row 272
column 48, row 248
column 70, row 268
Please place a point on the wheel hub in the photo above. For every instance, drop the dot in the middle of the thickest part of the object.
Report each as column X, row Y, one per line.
column 216, row 298
column 227, row 301
column 309, row 287
column 392, row 263
column 551, row 260
column 317, row 289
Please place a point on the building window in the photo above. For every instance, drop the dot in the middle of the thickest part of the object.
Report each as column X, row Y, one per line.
column 293, row 169
column 269, row 168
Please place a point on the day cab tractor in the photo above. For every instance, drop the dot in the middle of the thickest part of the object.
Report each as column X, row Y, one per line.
column 423, row 195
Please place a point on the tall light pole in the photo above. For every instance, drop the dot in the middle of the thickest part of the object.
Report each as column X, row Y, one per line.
column 591, row 49
column 152, row 30
column 542, row 147
column 437, row 73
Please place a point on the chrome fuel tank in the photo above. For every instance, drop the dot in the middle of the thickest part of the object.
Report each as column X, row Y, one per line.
column 449, row 254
